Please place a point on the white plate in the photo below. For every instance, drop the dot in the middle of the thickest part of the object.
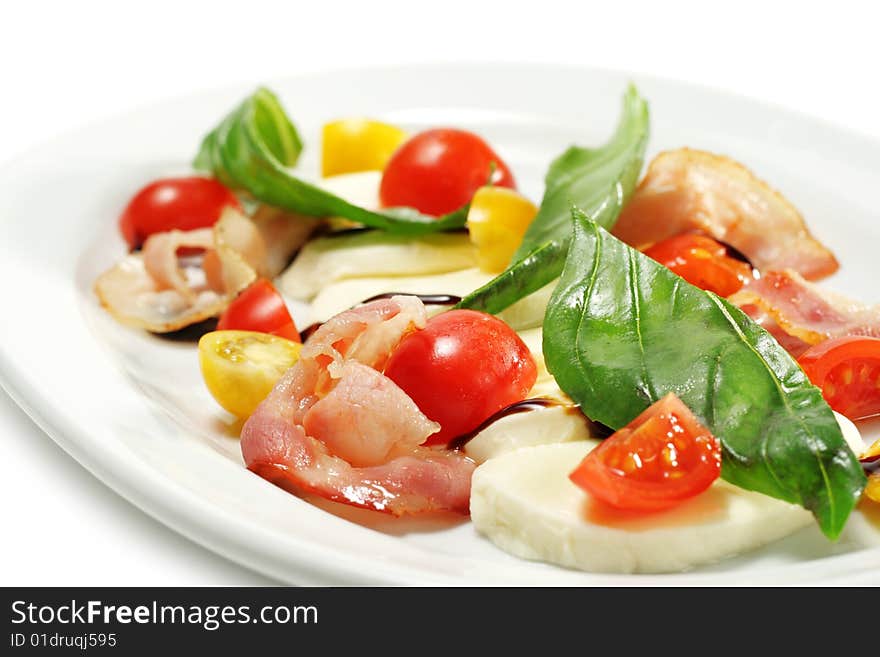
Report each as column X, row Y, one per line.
column 131, row 407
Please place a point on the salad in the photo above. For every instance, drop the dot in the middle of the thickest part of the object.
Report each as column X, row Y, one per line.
column 639, row 373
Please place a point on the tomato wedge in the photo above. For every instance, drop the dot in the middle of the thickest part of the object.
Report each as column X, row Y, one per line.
column 847, row 370
column 259, row 308
column 703, row 262
column 660, row 459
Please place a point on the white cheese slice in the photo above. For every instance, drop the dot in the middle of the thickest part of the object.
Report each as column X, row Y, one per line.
column 363, row 254
column 342, row 295
column 850, row 434
column 525, row 503
column 541, row 426
column 361, row 188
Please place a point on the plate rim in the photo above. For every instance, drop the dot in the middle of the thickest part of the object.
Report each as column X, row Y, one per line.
column 195, row 518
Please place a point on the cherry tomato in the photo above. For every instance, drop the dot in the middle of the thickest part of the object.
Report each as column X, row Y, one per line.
column 259, row 308
column 461, row 368
column 240, row 368
column 174, row 203
column 497, row 220
column 703, row 262
column 658, row 460
column 438, row 171
column 847, row 370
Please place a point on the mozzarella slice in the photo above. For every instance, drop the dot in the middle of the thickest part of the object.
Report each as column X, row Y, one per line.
column 342, row 295
column 541, row 426
column 850, row 434
column 361, row 188
column 529, row 311
column 370, row 253
column 525, row 503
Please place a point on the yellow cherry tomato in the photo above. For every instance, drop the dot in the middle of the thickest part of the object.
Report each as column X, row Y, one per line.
column 872, row 452
column 351, row 145
column 240, row 368
column 872, row 490
column 497, row 220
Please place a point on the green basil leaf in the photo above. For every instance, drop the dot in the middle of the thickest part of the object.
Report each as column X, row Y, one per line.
column 253, row 146
column 621, row 331
column 600, row 180
column 528, row 275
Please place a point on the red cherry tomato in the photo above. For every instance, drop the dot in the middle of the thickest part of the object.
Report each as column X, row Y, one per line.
column 461, row 368
column 259, row 308
column 174, row 204
column 847, row 370
column 703, row 262
column 658, row 460
column 438, row 171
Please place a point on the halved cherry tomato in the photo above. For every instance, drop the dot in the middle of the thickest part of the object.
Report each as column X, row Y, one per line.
column 847, row 370
column 661, row 458
column 461, row 368
column 870, row 460
column 240, row 368
column 174, row 204
column 703, row 262
column 352, row 145
column 497, row 220
column 438, row 171
column 259, row 308
column 872, row 489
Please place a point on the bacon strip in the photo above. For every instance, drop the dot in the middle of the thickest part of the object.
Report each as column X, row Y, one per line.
column 156, row 291
column 161, row 262
column 787, row 305
column 335, row 426
column 688, row 189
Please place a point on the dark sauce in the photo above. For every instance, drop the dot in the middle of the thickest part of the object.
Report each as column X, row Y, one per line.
column 427, row 299
column 191, row 333
column 306, row 333
column 736, row 254
column 354, row 230
column 525, row 406
column 870, row 464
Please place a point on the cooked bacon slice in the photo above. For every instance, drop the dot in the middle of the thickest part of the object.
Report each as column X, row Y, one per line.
column 803, row 311
column 152, row 291
column 157, row 291
column 792, row 344
column 161, row 262
column 335, row 426
column 283, row 233
column 687, row 190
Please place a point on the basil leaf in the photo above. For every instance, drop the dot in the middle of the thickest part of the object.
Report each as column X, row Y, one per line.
column 599, row 180
column 537, row 269
column 251, row 149
column 621, row 331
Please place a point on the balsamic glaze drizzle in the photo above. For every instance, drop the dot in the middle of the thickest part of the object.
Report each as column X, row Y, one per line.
column 427, row 299
column 870, row 464
column 523, row 406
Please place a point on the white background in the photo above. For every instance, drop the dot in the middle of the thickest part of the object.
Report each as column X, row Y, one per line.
column 66, row 64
